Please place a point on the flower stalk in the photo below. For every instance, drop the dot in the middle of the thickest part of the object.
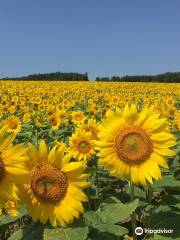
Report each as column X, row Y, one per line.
column 133, row 216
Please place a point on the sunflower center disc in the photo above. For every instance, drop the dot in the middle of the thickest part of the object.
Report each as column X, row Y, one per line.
column 84, row 147
column 13, row 125
column 2, row 169
column 133, row 145
column 48, row 183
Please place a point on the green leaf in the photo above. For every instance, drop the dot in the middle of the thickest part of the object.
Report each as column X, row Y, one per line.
column 171, row 200
column 167, row 182
column 25, row 135
column 113, row 229
column 117, row 212
column 163, row 217
column 160, row 237
column 92, row 219
column 18, row 235
column 33, row 230
column 138, row 192
column 108, row 215
column 73, row 233
column 6, row 219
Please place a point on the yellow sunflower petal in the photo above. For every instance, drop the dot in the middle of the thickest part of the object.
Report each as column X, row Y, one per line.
column 7, row 141
column 74, row 167
column 162, row 137
column 42, row 150
column 165, row 152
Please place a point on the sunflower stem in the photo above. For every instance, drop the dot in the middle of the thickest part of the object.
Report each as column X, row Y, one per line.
column 133, row 215
column 149, row 194
column 97, row 184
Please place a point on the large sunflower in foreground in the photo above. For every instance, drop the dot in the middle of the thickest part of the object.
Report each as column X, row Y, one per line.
column 133, row 146
column 54, row 190
column 12, row 167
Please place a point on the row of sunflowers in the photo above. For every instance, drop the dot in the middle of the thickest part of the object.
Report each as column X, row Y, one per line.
column 89, row 160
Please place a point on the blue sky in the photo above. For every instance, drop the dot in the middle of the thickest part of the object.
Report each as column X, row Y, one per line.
column 103, row 38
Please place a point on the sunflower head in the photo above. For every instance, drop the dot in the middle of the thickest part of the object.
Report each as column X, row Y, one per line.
column 55, row 121
column 54, row 189
column 48, row 183
column 13, row 124
column 134, row 144
column 12, row 167
column 78, row 117
column 91, row 126
column 81, row 144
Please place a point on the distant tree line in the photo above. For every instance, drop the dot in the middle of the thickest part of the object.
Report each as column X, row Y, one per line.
column 54, row 76
column 165, row 77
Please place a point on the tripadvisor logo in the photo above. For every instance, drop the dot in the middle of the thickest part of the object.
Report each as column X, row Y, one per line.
column 140, row 231
column 166, row 231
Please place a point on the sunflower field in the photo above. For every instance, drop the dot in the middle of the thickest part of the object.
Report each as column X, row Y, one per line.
column 89, row 160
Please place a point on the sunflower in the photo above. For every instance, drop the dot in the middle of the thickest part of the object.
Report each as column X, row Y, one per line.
column 37, row 101
column 12, row 109
column 13, row 124
column 39, row 120
column 11, row 208
column 134, row 145
column 54, row 190
column 82, row 145
column 177, row 120
column 93, row 109
column 12, row 167
column 111, row 112
column 26, row 118
column 78, row 117
column 91, row 126
column 1, row 113
column 55, row 121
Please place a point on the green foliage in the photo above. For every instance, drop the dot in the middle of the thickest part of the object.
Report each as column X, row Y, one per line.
column 6, row 219
column 173, row 77
column 163, row 217
column 55, row 76
column 167, row 182
column 31, row 231
column 108, row 217
column 70, row 233
column 108, row 213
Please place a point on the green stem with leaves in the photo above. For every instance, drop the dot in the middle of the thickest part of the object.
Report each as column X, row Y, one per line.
column 97, row 184
column 149, row 194
column 133, row 216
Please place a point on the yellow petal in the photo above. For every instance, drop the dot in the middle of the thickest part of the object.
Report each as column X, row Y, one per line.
column 135, row 174
column 43, row 150
column 161, row 161
column 164, row 144
column 51, row 155
column 163, row 136
column 165, row 152
column 74, row 167
column 77, row 193
column 7, row 141
column 84, row 176
column 156, row 125
column 153, row 169
column 81, row 184
column 18, row 170
column 142, row 117
column 142, row 179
